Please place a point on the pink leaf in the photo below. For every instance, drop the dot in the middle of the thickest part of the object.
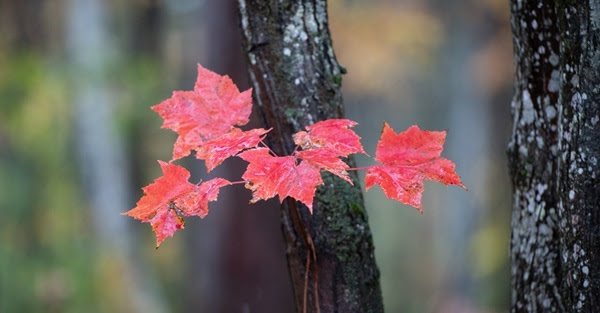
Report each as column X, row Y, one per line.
column 268, row 176
column 408, row 158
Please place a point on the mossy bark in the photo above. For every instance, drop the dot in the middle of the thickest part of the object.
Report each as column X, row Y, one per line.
column 297, row 80
column 553, row 154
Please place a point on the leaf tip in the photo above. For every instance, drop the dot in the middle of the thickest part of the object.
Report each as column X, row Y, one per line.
column 158, row 242
column 417, row 205
column 385, row 126
column 202, row 68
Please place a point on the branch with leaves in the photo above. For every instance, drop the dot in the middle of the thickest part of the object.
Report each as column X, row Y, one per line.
column 207, row 120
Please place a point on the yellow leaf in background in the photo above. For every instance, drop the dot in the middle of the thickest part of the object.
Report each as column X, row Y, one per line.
column 387, row 44
column 486, row 255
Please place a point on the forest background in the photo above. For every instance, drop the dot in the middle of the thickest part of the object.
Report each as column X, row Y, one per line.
column 78, row 141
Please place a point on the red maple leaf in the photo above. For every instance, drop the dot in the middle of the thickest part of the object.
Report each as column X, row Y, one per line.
column 172, row 194
column 205, row 120
column 195, row 203
column 333, row 135
column 212, row 109
column 165, row 223
column 158, row 195
column 326, row 160
column 216, row 150
column 269, row 175
column 325, row 142
column 408, row 158
column 186, row 143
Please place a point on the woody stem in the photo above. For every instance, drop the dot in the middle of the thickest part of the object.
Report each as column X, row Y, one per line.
column 360, row 168
column 265, row 145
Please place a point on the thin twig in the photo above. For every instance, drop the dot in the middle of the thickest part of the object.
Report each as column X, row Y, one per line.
column 313, row 253
column 271, row 151
column 304, row 300
column 315, row 271
column 360, row 168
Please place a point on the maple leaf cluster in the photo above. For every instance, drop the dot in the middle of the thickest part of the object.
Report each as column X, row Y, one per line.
column 207, row 121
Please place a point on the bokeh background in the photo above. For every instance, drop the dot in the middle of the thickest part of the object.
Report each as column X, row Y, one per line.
column 78, row 141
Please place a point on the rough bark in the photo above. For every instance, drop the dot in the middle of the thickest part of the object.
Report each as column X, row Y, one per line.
column 553, row 154
column 296, row 80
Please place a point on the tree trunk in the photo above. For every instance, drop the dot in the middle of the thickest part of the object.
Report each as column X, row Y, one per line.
column 296, row 82
column 553, row 155
column 103, row 164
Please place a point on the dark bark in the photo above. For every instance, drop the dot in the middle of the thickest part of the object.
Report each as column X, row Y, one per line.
column 239, row 245
column 296, row 81
column 553, row 154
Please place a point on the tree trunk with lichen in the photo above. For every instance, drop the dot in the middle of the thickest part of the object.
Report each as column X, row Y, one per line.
column 553, row 155
column 296, row 82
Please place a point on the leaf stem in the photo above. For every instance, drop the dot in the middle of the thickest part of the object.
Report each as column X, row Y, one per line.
column 265, row 145
column 239, row 182
column 360, row 168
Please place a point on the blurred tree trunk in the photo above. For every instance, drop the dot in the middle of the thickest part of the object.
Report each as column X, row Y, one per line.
column 554, row 153
column 234, row 257
column 296, row 81
column 465, row 100
column 102, row 158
